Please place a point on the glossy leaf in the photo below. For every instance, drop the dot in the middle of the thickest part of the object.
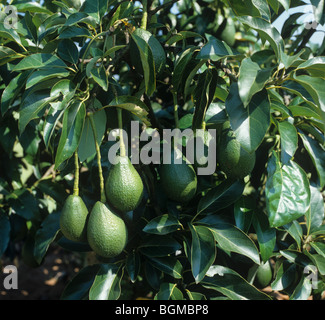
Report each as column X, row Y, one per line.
column 230, row 238
column 107, row 283
column 316, row 213
column 46, row 234
column 96, row 9
column 161, row 246
column 315, row 66
column 169, row 265
column 87, row 146
column 287, row 192
column 5, row 229
column 68, row 51
column 244, row 209
column 317, row 155
column 164, row 224
column 73, row 122
column 215, row 50
column 289, row 141
column 284, row 277
column 250, row 124
column 133, row 265
column 203, row 251
column 7, row 54
column 45, row 74
column 38, row 61
column 147, row 62
column 100, row 76
column 221, row 196
column 169, row 291
column 303, row 290
column 231, row 284
column 78, row 287
column 251, row 80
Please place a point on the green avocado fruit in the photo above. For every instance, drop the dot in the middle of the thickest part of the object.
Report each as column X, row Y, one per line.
column 124, row 186
column 234, row 161
column 229, row 32
column 264, row 274
column 179, row 181
column 73, row 219
column 158, row 53
column 106, row 231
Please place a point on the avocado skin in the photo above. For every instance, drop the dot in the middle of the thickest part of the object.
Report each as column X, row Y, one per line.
column 264, row 274
column 124, row 186
column 73, row 219
column 179, row 181
column 106, row 231
column 234, row 161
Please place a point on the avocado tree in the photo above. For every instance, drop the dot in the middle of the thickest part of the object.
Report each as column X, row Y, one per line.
column 78, row 77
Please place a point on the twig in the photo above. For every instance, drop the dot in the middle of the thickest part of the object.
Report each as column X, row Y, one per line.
column 162, row 6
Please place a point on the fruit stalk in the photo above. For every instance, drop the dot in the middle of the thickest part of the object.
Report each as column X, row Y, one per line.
column 144, row 19
column 120, row 125
column 76, row 175
column 100, row 170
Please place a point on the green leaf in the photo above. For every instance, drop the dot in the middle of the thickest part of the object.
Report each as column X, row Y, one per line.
column 317, row 154
column 316, row 213
column 231, row 284
column 244, row 209
column 315, row 66
column 298, row 258
column 221, row 196
column 169, row 291
column 251, row 79
column 78, row 287
column 203, row 251
column 107, row 283
column 12, row 90
column 148, row 63
column 133, row 105
column 203, row 96
column 182, row 35
column 87, row 147
column 319, row 247
column 289, row 141
column 266, row 32
column 250, row 124
column 96, row 9
column 73, row 122
column 7, row 54
column 162, row 225
column 215, row 50
column 315, row 87
column 46, row 234
column 266, row 236
column 32, row 7
column 296, row 232
column 132, row 265
column 303, row 290
column 38, row 61
column 287, row 192
column 5, row 229
column 285, row 276
column 45, row 74
column 169, row 265
column 100, row 76
column 232, row 239
column 161, row 246
column 68, row 51
column 74, row 32
column 32, row 107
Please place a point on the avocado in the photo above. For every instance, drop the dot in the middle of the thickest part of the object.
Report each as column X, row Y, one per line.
column 234, row 161
column 106, row 231
column 179, row 181
column 264, row 274
column 123, row 186
column 73, row 219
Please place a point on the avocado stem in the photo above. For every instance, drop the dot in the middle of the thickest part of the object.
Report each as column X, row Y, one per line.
column 99, row 163
column 175, row 109
column 120, row 125
column 144, row 19
column 76, row 175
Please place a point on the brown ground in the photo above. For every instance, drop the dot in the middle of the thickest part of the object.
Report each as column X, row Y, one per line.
column 45, row 282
